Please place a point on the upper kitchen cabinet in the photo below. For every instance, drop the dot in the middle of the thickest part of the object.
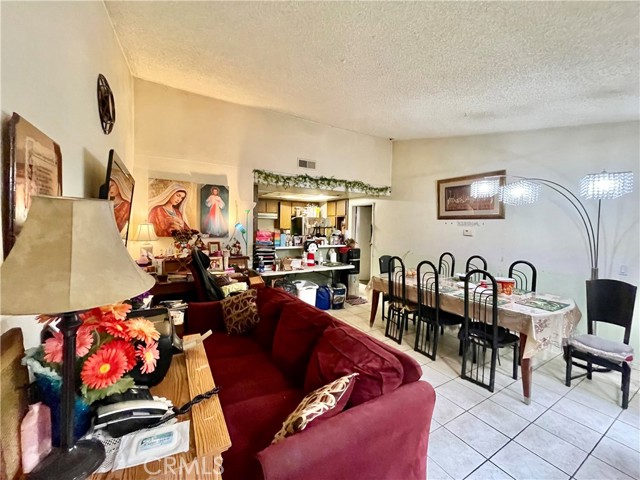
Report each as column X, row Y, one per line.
column 284, row 216
column 268, row 206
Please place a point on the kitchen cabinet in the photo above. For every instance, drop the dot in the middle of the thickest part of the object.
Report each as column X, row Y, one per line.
column 331, row 209
column 341, row 208
column 284, row 216
column 267, row 206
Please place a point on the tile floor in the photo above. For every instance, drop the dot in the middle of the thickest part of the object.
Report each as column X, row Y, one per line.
column 576, row 432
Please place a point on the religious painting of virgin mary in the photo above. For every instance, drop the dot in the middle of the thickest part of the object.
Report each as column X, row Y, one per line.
column 214, row 210
column 172, row 206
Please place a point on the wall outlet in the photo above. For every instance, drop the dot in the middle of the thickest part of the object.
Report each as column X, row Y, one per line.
column 624, row 270
column 467, row 232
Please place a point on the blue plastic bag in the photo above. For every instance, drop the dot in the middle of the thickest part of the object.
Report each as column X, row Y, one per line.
column 323, row 298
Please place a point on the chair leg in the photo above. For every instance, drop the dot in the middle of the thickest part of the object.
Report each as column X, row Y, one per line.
column 589, row 369
column 626, row 380
column 516, row 350
column 567, row 359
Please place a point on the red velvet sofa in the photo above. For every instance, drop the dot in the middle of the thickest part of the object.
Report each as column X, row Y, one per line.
column 383, row 432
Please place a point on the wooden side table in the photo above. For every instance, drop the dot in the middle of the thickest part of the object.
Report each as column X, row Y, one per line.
column 188, row 376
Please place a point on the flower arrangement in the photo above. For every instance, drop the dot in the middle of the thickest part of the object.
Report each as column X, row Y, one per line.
column 108, row 346
column 185, row 238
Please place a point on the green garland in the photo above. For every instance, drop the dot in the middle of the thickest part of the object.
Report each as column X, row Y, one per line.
column 321, row 183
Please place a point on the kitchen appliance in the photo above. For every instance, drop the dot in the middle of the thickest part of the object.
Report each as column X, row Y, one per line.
column 351, row 256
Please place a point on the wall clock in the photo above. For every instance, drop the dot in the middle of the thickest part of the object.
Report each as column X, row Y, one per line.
column 106, row 105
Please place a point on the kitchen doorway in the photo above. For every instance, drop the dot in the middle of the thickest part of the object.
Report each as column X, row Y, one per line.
column 364, row 238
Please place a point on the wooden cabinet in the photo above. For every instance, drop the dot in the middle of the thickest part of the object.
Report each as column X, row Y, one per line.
column 267, row 206
column 341, row 208
column 284, row 216
column 331, row 209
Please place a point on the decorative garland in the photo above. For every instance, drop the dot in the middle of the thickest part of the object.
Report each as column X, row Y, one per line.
column 321, row 183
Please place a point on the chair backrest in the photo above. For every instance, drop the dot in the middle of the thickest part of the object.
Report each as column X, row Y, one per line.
column 476, row 262
column 428, row 288
column 446, row 265
column 481, row 304
column 610, row 301
column 383, row 262
column 397, row 281
column 525, row 275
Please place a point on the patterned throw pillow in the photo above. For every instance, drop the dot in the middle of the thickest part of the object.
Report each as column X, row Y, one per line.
column 324, row 402
column 240, row 312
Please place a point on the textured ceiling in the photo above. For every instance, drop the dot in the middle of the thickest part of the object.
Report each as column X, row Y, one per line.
column 397, row 69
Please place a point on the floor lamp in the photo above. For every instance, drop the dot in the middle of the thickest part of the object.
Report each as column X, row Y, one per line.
column 67, row 259
column 525, row 190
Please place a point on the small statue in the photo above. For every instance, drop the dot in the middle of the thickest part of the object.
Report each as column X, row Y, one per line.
column 311, row 248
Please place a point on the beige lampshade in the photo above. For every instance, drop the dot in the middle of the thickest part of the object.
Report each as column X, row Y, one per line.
column 68, row 257
column 146, row 233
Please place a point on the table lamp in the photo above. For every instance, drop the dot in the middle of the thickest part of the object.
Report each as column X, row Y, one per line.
column 67, row 259
column 146, row 233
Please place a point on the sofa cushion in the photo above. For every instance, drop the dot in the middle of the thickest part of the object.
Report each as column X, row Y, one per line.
column 203, row 316
column 247, row 376
column 344, row 350
column 221, row 345
column 252, row 423
column 323, row 403
column 240, row 312
column 298, row 330
column 270, row 301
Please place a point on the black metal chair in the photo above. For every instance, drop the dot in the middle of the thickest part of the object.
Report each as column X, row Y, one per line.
column 430, row 319
column 398, row 308
column 525, row 275
column 446, row 265
column 480, row 332
column 383, row 263
column 608, row 301
column 476, row 262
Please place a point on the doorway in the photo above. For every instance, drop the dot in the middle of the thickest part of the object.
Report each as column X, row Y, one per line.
column 364, row 238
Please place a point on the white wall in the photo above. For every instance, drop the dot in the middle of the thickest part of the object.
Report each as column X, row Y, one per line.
column 194, row 138
column 52, row 53
column 548, row 233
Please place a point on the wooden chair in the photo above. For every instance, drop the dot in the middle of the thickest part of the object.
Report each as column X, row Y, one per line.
column 608, row 301
column 480, row 332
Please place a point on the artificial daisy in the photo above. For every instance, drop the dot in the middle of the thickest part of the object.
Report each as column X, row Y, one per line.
column 116, row 328
column 127, row 350
column 103, row 368
column 118, row 310
column 142, row 329
column 148, row 354
column 53, row 345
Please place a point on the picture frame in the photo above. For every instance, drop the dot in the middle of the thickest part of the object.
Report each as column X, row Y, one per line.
column 217, row 263
column 455, row 201
column 214, row 246
column 32, row 165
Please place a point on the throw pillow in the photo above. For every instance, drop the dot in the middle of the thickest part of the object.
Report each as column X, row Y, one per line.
column 233, row 287
column 240, row 312
column 323, row 403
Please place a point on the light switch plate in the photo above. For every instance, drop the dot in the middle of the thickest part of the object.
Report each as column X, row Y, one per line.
column 467, row 232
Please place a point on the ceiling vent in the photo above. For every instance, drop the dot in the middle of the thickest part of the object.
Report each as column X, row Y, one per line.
column 310, row 164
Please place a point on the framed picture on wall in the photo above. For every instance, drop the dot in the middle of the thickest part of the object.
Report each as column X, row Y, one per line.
column 173, row 205
column 455, row 200
column 214, row 247
column 32, row 165
column 214, row 211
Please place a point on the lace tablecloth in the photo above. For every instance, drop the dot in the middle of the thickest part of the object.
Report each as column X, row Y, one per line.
column 544, row 318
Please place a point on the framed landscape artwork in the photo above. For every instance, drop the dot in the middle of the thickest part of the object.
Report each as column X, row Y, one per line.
column 32, row 165
column 455, row 200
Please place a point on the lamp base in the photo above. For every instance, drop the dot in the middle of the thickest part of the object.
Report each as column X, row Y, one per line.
column 77, row 463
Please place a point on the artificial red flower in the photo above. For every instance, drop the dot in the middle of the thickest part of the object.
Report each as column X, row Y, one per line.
column 148, row 354
column 116, row 328
column 142, row 329
column 118, row 310
column 46, row 319
column 103, row 368
column 53, row 345
column 126, row 349
column 91, row 316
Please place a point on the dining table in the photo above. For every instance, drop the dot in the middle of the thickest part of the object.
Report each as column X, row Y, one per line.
column 541, row 319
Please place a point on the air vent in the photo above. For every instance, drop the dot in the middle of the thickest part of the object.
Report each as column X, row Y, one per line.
column 310, row 164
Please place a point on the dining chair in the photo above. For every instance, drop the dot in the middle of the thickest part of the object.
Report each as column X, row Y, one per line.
column 383, row 263
column 480, row 332
column 446, row 265
column 608, row 301
column 525, row 275
column 398, row 308
column 430, row 318
column 476, row 262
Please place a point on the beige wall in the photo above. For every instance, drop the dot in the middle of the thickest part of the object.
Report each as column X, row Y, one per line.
column 548, row 233
column 52, row 53
column 184, row 136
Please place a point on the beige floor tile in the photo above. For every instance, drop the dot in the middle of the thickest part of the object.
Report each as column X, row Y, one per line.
column 433, row 376
column 625, row 434
column 435, row 472
column 477, row 434
column 489, row 471
column 569, row 430
column 553, row 449
column 583, row 414
column 499, row 418
column 460, row 395
column 514, row 402
column 618, row 456
column 520, row 463
column 594, row 469
column 446, row 411
column 465, row 460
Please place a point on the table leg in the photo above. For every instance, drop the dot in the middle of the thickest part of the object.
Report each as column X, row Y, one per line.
column 375, row 295
column 525, row 365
